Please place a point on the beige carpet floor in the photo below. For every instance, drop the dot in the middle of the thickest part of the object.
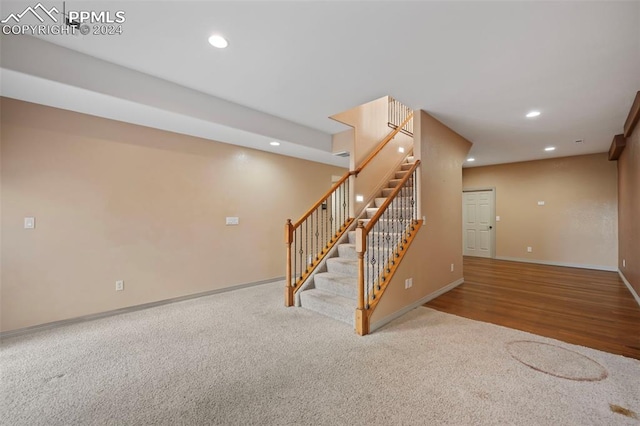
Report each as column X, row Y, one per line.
column 241, row 358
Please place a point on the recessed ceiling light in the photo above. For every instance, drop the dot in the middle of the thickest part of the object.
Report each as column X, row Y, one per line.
column 274, row 143
column 550, row 148
column 532, row 114
column 218, row 41
column 400, row 149
column 471, row 159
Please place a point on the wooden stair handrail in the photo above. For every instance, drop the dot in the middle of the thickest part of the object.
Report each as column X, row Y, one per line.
column 321, row 200
column 390, row 198
column 381, row 145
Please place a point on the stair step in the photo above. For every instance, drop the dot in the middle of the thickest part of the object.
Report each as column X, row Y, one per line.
column 395, row 182
column 387, row 226
column 380, row 201
column 399, row 201
column 371, row 211
column 406, row 166
column 400, row 174
column 406, row 191
column 347, row 251
column 331, row 305
column 411, row 159
column 339, row 284
column 352, row 237
column 343, row 266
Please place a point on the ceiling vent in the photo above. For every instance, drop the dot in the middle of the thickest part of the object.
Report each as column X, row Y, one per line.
column 341, row 154
column 579, row 141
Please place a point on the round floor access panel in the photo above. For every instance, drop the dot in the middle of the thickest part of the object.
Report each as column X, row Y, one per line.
column 556, row 361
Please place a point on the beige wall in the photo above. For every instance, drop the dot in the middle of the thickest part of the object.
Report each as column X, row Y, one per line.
column 118, row 201
column 629, row 209
column 438, row 244
column 578, row 223
column 370, row 127
column 343, row 141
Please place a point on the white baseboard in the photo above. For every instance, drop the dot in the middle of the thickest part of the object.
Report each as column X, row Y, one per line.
column 565, row 264
column 91, row 317
column 628, row 284
column 386, row 320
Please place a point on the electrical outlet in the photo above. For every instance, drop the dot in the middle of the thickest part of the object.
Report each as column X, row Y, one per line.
column 119, row 285
column 452, row 267
column 29, row 223
column 408, row 283
column 624, row 263
column 529, row 249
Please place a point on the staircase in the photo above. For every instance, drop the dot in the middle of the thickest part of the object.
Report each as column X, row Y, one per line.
column 334, row 289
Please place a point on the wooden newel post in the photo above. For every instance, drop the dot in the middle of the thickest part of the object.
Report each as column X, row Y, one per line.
column 362, row 316
column 288, row 286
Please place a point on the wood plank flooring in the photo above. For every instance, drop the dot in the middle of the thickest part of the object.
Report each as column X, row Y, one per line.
column 580, row 306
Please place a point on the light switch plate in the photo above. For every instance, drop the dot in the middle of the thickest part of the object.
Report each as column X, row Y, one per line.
column 29, row 222
column 232, row 221
column 541, row 203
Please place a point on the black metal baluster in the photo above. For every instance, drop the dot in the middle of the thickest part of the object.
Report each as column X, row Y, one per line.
column 366, row 280
column 415, row 194
column 394, row 221
column 300, row 251
column 398, row 211
column 323, row 218
column 380, row 260
column 404, row 211
column 311, row 241
column 331, row 218
column 344, row 204
column 348, row 197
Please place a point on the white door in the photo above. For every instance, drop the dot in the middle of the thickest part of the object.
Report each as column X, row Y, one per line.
column 477, row 223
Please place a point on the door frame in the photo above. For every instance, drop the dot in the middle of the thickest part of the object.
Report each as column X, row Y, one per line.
column 492, row 215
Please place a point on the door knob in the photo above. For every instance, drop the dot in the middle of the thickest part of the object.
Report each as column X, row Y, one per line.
column 490, row 227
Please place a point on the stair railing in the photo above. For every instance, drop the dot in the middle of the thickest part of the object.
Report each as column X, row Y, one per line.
column 314, row 234
column 382, row 242
column 398, row 112
column 307, row 245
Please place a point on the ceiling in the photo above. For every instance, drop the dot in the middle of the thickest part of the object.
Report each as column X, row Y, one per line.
column 478, row 66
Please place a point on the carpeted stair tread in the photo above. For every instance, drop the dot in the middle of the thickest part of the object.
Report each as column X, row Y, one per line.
column 379, row 201
column 386, row 226
column 406, row 191
column 343, row 266
column 338, row 284
column 371, row 211
column 331, row 305
column 347, row 251
column 406, row 166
